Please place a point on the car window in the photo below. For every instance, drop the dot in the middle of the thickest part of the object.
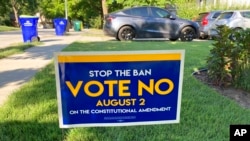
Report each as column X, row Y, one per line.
column 160, row 13
column 217, row 14
column 226, row 15
column 140, row 11
column 245, row 14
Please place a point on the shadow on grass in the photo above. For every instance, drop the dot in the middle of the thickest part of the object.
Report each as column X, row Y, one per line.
column 40, row 90
column 31, row 112
column 30, row 131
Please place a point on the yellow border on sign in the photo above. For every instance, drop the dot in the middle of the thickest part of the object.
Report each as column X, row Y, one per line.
column 117, row 58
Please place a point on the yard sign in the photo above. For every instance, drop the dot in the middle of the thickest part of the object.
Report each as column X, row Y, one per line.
column 119, row 88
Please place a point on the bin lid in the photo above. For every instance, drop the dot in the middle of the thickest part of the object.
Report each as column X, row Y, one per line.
column 27, row 16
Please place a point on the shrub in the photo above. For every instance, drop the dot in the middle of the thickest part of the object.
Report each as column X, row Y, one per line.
column 96, row 22
column 228, row 62
column 218, row 62
column 241, row 58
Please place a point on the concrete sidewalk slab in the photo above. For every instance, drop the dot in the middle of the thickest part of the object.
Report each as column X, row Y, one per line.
column 18, row 69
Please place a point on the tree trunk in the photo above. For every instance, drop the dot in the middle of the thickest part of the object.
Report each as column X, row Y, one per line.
column 104, row 8
column 16, row 16
column 15, row 6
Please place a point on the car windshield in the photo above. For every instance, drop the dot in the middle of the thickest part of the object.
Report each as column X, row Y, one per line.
column 226, row 15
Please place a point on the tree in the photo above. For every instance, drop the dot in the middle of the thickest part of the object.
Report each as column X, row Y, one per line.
column 3, row 7
column 21, row 6
column 53, row 8
column 4, row 10
column 104, row 7
column 15, row 7
column 130, row 3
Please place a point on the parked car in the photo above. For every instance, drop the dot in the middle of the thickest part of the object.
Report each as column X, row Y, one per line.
column 149, row 22
column 205, row 20
column 235, row 19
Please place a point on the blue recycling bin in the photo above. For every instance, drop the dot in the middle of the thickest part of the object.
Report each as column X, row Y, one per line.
column 29, row 28
column 60, row 25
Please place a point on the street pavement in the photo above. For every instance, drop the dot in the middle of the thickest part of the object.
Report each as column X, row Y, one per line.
column 18, row 69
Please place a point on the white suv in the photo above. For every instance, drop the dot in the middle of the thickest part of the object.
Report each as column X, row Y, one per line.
column 235, row 19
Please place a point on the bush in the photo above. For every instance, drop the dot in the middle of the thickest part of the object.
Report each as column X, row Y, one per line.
column 228, row 63
column 241, row 59
column 96, row 22
column 218, row 61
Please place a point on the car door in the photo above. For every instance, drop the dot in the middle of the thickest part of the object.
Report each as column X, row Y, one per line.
column 160, row 23
column 138, row 18
column 246, row 20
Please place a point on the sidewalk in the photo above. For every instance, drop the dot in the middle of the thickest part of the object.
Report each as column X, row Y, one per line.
column 18, row 69
column 10, row 38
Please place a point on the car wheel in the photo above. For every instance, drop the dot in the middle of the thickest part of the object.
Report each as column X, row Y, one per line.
column 117, row 38
column 126, row 33
column 187, row 34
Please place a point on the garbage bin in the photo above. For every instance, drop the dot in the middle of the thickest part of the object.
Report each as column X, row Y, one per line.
column 60, row 26
column 77, row 25
column 29, row 28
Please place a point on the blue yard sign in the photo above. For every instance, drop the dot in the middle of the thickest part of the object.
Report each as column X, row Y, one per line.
column 119, row 88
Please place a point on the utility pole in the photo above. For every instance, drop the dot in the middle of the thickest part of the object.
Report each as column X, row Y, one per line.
column 66, row 9
column 66, row 15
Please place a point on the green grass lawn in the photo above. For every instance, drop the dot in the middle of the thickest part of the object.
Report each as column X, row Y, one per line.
column 8, row 28
column 30, row 114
